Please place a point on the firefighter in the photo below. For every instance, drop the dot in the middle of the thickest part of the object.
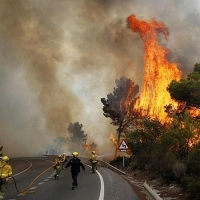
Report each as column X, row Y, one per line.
column 94, row 161
column 5, row 173
column 75, row 164
column 57, row 166
column 64, row 160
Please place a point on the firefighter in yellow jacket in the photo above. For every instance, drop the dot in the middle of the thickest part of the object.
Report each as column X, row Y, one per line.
column 64, row 160
column 57, row 166
column 94, row 161
column 5, row 173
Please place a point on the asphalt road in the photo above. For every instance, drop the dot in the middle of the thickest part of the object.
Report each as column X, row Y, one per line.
column 37, row 185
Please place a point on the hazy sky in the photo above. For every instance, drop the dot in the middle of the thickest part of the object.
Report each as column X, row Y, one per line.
column 58, row 58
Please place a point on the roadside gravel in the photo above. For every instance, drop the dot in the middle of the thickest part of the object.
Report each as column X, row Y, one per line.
column 165, row 191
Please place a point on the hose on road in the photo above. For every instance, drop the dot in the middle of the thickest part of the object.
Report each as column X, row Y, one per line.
column 25, row 190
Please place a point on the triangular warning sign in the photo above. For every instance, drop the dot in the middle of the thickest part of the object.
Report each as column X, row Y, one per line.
column 123, row 145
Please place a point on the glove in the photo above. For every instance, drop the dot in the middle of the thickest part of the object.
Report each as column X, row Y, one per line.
column 4, row 176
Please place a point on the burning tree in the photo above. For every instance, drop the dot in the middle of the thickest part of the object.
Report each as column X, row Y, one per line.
column 90, row 146
column 116, row 106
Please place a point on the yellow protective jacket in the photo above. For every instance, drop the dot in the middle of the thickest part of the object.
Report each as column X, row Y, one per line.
column 94, row 158
column 58, row 162
column 63, row 158
column 5, row 170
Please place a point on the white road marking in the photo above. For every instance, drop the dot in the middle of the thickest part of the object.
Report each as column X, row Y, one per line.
column 25, row 169
column 20, row 194
column 41, row 183
column 32, row 188
column 101, row 194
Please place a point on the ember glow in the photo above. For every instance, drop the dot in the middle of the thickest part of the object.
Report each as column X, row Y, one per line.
column 158, row 71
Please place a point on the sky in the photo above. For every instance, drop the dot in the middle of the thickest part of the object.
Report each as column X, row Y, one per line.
column 58, row 58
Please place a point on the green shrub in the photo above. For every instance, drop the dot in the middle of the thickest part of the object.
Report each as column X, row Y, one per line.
column 118, row 162
column 193, row 189
column 134, row 165
column 192, row 186
column 167, row 175
column 178, row 170
column 185, row 181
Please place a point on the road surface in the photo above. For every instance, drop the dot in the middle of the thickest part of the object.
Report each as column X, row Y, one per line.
column 104, row 185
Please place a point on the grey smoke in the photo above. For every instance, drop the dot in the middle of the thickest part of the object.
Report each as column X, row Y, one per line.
column 58, row 58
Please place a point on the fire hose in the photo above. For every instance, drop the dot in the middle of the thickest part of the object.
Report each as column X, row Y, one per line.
column 25, row 190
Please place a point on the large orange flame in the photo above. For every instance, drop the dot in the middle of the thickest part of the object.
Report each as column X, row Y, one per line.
column 158, row 71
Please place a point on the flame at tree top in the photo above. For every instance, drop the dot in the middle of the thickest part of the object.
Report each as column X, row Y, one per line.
column 158, row 71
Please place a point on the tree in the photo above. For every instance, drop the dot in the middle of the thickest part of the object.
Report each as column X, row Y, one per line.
column 118, row 104
column 182, row 134
column 77, row 138
column 143, row 141
column 187, row 90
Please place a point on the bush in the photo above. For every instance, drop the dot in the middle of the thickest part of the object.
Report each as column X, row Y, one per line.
column 179, row 170
column 193, row 189
column 118, row 162
column 134, row 165
column 193, row 161
column 185, row 181
column 192, row 186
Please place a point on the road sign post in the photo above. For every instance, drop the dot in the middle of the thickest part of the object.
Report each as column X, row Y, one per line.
column 123, row 147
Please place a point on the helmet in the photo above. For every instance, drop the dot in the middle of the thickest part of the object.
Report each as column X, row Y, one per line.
column 5, row 158
column 75, row 154
column 93, row 152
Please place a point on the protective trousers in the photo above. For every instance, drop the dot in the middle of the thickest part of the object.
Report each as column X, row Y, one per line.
column 74, row 178
column 58, row 169
column 94, row 167
column 3, row 188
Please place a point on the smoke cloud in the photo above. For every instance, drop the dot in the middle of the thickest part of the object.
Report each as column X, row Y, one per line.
column 59, row 58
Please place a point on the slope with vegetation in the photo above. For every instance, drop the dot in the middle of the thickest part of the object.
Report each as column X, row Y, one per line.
column 170, row 151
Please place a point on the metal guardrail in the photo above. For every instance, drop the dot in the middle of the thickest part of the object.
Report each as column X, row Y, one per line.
column 112, row 167
column 150, row 193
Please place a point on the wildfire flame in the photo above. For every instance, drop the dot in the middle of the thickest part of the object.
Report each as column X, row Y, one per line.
column 89, row 147
column 85, row 146
column 113, row 140
column 158, row 71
